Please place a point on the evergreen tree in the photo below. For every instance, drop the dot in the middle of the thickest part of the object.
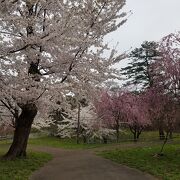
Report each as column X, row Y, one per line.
column 139, row 72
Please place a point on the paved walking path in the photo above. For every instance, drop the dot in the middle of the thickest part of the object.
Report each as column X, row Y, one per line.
column 84, row 165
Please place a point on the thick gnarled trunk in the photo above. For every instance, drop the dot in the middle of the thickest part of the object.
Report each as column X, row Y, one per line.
column 22, row 131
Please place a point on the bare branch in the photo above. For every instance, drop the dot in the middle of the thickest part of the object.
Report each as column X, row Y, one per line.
column 8, row 107
column 10, row 33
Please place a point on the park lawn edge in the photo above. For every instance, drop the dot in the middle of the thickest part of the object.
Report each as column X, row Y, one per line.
column 22, row 168
column 166, row 167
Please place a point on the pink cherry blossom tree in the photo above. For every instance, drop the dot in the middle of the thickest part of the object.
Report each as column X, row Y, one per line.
column 123, row 108
column 47, row 48
column 167, row 67
column 109, row 108
column 167, row 71
column 136, row 111
column 162, row 110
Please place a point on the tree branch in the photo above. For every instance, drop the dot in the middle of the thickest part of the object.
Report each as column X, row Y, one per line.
column 87, row 34
column 8, row 107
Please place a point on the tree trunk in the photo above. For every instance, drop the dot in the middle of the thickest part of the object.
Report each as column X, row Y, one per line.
column 105, row 140
column 139, row 131
column 138, row 134
column 161, row 133
column 78, row 123
column 171, row 135
column 117, row 133
column 135, row 136
column 164, row 143
column 84, row 139
column 133, row 129
column 22, row 131
column 117, row 126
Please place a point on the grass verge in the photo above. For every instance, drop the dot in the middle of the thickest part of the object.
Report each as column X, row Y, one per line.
column 21, row 169
column 71, row 143
column 61, row 143
column 166, row 167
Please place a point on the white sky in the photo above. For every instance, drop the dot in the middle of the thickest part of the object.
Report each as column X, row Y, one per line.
column 151, row 20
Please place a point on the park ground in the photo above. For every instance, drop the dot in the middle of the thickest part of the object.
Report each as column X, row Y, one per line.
column 66, row 156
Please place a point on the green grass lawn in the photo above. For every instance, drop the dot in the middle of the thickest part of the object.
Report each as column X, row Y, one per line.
column 21, row 169
column 126, row 135
column 142, row 158
column 61, row 143
column 166, row 167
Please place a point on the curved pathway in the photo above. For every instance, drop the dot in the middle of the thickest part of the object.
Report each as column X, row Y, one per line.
column 84, row 165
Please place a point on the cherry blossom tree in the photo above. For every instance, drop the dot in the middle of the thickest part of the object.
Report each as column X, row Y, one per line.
column 162, row 110
column 109, row 109
column 123, row 107
column 88, row 125
column 164, row 97
column 166, row 70
column 168, row 66
column 48, row 47
column 136, row 113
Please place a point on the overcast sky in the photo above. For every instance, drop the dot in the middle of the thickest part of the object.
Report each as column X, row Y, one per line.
column 151, row 20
